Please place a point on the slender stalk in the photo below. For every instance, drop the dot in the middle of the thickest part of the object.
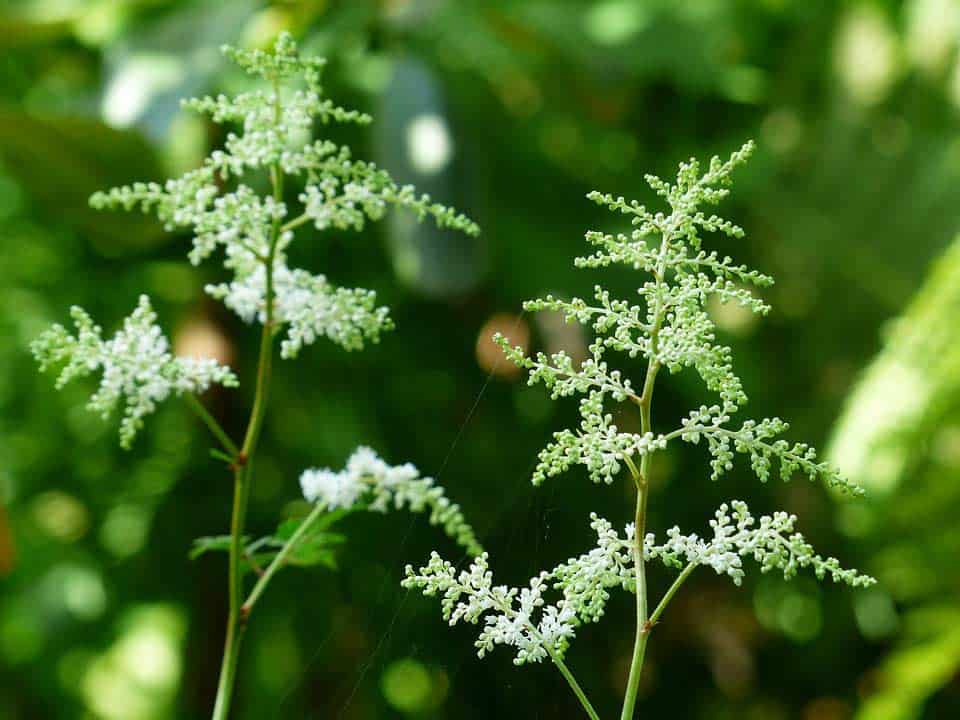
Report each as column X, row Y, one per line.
column 668, row 595
column 280, row 559
column 295, row 223
column 193, row 402
column 243, row 474
column 640, row 477
column 507, row 610
column 640, row 519
column 574, row 685
column 231, row 648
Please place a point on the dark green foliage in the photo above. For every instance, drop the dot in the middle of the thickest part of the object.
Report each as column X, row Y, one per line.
column 847, row 203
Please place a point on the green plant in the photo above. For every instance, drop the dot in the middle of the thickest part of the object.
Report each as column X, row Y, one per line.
column 671, row 329
column 908, row 459
column 254, row 232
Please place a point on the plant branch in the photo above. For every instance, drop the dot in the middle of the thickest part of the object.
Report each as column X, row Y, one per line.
column 640, row 639
column 237, row 620
column 641, row 477
column 572, row 682
column 193, row 402
column 295, row 223
column 668, row 596
column 280, row 558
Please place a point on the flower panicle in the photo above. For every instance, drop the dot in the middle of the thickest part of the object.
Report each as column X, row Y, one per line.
column 523, row 618
column 137, row 366
column 253, row 231
column 369, row 483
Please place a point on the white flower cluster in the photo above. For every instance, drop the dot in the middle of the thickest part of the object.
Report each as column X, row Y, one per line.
column 253, row 231
column 309, row 307
column 521, row 617
column 772, row 543
column 136, row 362
column 585, row 580
column 558, row 374
column 344, row 193
column 370, row 483
column 598, row 445
column 471, row 594
column 757, row 440
column 671, row 329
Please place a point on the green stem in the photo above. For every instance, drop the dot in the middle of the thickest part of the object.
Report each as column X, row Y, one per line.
column 243, row 475
column 641, row 477
column 668, row 596
column 280, row 559
column 642, row 631
column 193, row 402
column 237, row 619
column 508, row 610
column 574, row 685
column 295, row 223
column 231, row 649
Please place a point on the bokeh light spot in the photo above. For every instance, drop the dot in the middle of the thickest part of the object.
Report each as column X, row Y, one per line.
column 429, row 145
column 407, row 686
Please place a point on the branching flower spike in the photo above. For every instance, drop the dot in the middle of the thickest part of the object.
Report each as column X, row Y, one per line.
column 255, row 232
column 268, row 145
column 669, row 327
column 369, row 483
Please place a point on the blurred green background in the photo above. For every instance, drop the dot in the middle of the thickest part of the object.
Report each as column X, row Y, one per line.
column 511, row 110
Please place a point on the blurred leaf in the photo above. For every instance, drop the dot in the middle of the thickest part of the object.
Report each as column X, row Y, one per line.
column 907, row 387
column 915, row 671
column 213, row 543
column 317, row 547
column 288, row 527
column 899, row 437
column 218, row 454
column 17, row 32
column 60, row 161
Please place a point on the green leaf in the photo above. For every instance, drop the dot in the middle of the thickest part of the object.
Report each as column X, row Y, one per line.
column 288, row 527
column 212, row 543
column 253, row 556
column 60, row 183
column 317, row 546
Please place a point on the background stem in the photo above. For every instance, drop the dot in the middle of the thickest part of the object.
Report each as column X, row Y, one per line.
column 243, row 475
